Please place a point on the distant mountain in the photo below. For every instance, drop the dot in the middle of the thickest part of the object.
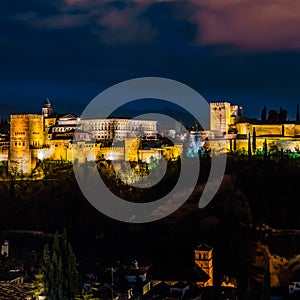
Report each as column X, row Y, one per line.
column 173, row 111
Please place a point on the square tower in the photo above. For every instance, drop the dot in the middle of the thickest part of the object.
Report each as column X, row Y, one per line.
column 222, row 115
column 26, row 136
column 204, row 260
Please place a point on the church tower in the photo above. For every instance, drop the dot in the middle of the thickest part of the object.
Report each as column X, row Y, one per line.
column 204, row 260
column 47, row 109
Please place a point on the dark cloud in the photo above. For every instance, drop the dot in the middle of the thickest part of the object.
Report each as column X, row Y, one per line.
column 69, row 50
column 256, row 25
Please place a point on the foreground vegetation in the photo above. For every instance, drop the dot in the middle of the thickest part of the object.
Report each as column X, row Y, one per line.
column 256, row 195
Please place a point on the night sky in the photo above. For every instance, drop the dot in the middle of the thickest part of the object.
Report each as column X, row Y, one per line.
column 242, row 51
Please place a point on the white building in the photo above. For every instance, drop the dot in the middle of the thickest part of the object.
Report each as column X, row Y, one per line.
column 107, row 129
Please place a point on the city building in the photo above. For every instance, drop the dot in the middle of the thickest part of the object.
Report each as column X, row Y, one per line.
column 223, row 115
column 241, row 134
column 204, row 260
column 34, row 137
column 27, row 136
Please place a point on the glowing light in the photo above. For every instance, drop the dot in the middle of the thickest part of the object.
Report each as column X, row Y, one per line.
column 42, row 154
column 91, row 157
column 111, row 155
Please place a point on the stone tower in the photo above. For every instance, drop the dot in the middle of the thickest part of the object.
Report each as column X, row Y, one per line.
column 47, row 109
column 204, row 259
column 222, row 115
column 26, row 137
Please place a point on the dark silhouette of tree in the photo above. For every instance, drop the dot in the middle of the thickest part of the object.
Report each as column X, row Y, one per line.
column 249, row 146
column 60, row 269
column 264, row 114
column 273, row 116
column 46, row 266
column 254, row 140
column 265, row 149
column 266, row 285
column 4, row 126
column 282, row 115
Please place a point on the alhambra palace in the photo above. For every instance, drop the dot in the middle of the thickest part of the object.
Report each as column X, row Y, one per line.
column 35, row 137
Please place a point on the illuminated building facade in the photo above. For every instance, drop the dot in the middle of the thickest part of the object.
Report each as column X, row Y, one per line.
column 240, row 133
column 35, row 137
column 26, row 138
column 107, row 129
column 204, row 260
column 118, row 129
column 223, row 115
column 47, row 110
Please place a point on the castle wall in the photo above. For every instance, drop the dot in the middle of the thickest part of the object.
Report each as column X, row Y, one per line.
column 82, row 152
column 281, row 143
column 297, row 130
column 243, row 128
column 60, row 150
column 289, row 130
column 132, row 145
column 112, row 153
column 266, row 129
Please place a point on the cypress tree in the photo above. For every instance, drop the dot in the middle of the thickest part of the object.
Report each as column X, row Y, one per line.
column 265, row 149
column 46, row 267
column 70, row 267
column 60, row 269
column 281, row 115
column 55, row 247
column 249, row 145
column 254, row 140
column 264, row 114
column 54, row 276
column 266, row 285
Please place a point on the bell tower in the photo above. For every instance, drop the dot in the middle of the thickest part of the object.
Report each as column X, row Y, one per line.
column 204, row 260
column 47, row 109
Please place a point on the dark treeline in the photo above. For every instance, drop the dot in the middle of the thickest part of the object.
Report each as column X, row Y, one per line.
column 253, row 193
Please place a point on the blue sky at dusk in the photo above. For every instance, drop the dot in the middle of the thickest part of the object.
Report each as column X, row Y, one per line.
column 243, row 51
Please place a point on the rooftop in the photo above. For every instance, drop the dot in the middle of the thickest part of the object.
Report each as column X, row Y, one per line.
column 204, row 247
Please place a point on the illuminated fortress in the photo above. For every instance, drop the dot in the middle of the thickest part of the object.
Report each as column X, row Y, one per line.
column 34, row 137
column 244, row 134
